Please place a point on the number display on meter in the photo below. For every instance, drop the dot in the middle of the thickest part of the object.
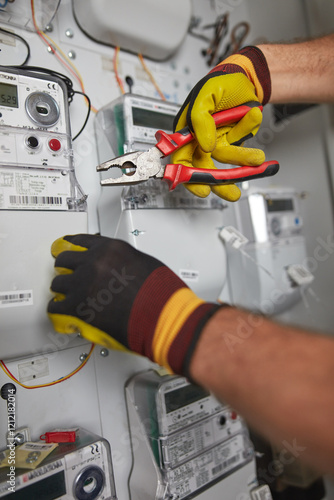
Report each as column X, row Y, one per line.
column 8, row 95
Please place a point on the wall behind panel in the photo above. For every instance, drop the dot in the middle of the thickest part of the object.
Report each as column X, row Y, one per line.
column 276, row 21
column 304, row 147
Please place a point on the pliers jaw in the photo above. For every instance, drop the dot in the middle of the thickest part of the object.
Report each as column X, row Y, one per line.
column 137, row 167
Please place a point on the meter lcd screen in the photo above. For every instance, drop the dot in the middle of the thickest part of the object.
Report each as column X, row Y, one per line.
column 8, row 95
column 280, row 205
column 152, row 119
column 183, row 397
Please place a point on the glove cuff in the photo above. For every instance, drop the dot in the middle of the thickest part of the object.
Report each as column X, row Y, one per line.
column 166, row 320
column 252, row 62
column 183, row 347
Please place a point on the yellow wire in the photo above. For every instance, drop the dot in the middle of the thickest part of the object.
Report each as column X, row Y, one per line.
column 115, row 63
column 67, row 59
column 151, row 77
column 61, row 379
column 75, row 69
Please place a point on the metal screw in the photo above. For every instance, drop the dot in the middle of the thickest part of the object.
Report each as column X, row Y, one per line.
column 69, row 33
column 50, row 49
column 104, row 353
column 48, row 28
column 33, row 457
column 83, row 356
column 135, row 232
column 71, row 54
column 19, row 438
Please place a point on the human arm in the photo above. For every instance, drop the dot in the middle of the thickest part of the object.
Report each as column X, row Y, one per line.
column 301, row 72
column 279, row 378
column 297, row 72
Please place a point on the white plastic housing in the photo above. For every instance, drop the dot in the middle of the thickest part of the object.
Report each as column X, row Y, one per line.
column 154, row 28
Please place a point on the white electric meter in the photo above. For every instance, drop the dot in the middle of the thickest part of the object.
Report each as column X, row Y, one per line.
column 36, row 157
column 268, row 274
column 183, row 439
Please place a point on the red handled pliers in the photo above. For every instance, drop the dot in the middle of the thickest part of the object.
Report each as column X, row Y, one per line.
column 140, row 166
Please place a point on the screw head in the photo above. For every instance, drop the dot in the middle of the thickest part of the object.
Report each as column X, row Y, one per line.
column 19, row 438
column 104, row 352
column 69, row 33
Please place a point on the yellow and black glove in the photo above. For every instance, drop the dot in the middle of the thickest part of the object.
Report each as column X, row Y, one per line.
column 241, row 78
column 119, row 297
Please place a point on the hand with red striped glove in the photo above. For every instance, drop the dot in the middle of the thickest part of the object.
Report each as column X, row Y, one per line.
column 241, row 78
column 121, row 298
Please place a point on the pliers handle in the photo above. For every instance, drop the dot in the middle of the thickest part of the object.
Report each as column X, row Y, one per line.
column 176, row 174
column 169, row 143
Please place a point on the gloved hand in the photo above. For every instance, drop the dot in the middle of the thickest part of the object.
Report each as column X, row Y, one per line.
column 241, row 78
column 119, row 297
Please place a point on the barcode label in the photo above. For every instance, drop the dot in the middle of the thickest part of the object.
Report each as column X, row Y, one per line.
column 35, row 200
column 225, row 464
column 16, row 298
column 36, row 446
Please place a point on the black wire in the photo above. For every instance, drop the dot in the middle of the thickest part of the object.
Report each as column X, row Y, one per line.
column 54, row 14
column 23, row 41
column 88, row 113
column 69, row 85
column 68, row 82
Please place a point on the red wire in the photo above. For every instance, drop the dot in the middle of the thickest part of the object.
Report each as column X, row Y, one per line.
column 54, row 52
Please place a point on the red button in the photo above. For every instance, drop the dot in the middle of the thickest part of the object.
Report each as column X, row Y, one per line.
column 233, row 415
column 54, row 144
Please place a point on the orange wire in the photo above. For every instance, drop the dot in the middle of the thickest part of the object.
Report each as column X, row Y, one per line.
column 151, row 77
column 115, row 65
column 40, row 34
column 54, row 52
column 62, row 379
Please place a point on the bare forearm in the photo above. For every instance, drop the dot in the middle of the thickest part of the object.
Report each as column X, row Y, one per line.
column 280, row 379
column 301, row 72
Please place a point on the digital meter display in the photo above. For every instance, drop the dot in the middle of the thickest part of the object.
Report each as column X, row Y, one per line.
column 184, row 396
column 280, row 205
column 8, row 95
column 152, row 119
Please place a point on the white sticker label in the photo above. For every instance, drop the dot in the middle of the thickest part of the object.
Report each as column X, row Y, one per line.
column 31, row 189
column 261, row 493
column 200, row 471
column 16, row 298
column 189, row 275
